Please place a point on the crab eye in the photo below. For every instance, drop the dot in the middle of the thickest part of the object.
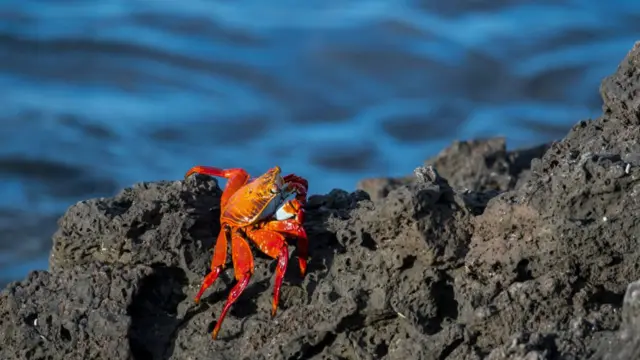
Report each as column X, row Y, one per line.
column 274, row 189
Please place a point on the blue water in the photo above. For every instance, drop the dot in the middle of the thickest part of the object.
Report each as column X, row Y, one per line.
column 97, row 95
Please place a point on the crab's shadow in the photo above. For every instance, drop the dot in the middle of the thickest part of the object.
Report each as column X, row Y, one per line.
column 153, row 312
column 323, row 246
column 155, row 321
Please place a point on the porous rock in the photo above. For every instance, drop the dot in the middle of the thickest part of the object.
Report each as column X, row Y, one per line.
column 626, row 343
column 506, row 262
column 482, row 165
column 80, row 313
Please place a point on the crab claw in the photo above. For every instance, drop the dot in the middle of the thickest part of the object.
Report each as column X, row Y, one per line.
column 289, row 220
column 299, row 185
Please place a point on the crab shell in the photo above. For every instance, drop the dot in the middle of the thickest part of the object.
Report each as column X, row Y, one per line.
column 262, row 198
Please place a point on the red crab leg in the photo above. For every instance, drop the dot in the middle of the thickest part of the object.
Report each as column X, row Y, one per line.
column 217, row 262
column 293, row 228
column 243, row 267
column 274, row 245
column 236, row 179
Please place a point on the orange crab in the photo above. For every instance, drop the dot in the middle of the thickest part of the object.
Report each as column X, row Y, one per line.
column 262, row 210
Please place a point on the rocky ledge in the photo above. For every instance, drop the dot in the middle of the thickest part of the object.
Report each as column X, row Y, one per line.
column 498, row 255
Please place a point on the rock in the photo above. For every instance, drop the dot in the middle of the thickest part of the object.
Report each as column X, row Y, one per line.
column 620, row 90
column 484, row 165
column 82, row 313
column 477, row 165
column 466, row 259
column 626, row 343
column 166, row 223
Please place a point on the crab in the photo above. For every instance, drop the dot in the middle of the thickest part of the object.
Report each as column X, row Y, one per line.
column 265, row 211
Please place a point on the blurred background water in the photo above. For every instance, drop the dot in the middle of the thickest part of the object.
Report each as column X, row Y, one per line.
column 97, row 95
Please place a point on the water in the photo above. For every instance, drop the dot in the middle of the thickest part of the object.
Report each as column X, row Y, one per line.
column 99, row 95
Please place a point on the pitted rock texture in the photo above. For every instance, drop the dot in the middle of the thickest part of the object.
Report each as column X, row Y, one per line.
column 626, row 343
column 484, row 166
column 150, row 223
column 82, row 313
column 503, row 262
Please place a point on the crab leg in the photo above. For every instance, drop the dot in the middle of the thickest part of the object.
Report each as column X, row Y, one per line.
column 292, row 228
column 289, row 220
column 243, row 267
column 295, row 208
column 274, row 245
column 217, row 262
column 236, row 179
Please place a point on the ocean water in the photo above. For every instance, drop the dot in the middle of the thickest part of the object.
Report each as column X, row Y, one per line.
column 96, row 95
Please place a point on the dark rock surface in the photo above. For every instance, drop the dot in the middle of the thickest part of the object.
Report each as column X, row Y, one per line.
column 484, row 166
column 488, row 260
